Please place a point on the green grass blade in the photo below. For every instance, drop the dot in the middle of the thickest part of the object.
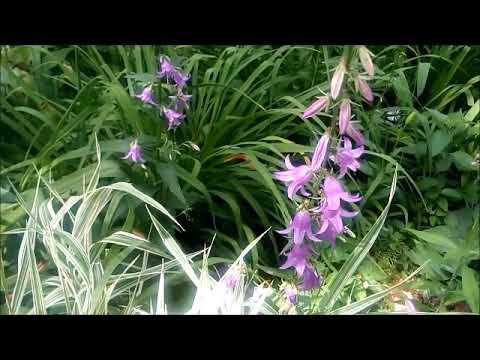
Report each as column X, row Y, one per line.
column 175, row 250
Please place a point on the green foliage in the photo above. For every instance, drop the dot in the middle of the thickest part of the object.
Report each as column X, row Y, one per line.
column 452, row 249
column 212, row 176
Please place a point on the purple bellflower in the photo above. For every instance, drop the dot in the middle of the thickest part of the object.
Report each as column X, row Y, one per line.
column 180, row 78
column 147, row 95
column 231, row 278
column 167, row 69
column 334, row 192
column 174, row 118
column 301, row 225
column 181, row 101
column 298, row 258
column 298, row 176
column 346, row 157
column 344, row 116
column 320, row 104
column 310, row 278
column 135, row 153
column 332, row 224
column 291, row 294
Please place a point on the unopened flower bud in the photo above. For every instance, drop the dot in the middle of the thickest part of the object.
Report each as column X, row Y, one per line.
column 316, row 107
column 337, row 79
column 365, row 58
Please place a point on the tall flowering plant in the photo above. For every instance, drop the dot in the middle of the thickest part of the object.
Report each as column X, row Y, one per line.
column 173, row 110
column 317, row 185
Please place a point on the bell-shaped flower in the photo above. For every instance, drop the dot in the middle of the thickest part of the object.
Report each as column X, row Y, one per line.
column 331, row 222
column 180, row 78
column 231, row 277
column 298, row 176
column 310, row 278
column 180, row 101
column 167, row 69
column 346, row 157
column 298, row 258
column 173, row 118
column 334, row 192
column 291, row 293
column 301, row 226
column 147, row 95
column 135, row 153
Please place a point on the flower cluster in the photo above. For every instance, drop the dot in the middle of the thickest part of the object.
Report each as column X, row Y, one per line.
column 174, row 113
column 179, row 102
column 317, row 183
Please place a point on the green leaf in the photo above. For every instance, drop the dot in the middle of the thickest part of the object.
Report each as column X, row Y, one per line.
column 135, row 242
column 470, row 287
column 250, row 246
column 439, row 141
column 371, row 271
column 422, row 75
column 402, row 170
column 434, row 238
column 452, row 193
column 400, row 85
column 463, row 161
column 26, row 265
column 175, row 250
column 473, row 112
column 443, row 163
column 169, row 176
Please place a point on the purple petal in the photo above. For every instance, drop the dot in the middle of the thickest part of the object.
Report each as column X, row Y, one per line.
column 311, row 280
column 356, row 135
column 350, row 198
column 288, row 163
column 349, row 214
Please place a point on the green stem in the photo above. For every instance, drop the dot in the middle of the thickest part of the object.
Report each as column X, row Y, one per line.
column 325, row 56
column 347, row 54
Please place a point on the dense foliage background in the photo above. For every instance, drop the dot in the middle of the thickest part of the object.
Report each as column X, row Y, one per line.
column 213, row 173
